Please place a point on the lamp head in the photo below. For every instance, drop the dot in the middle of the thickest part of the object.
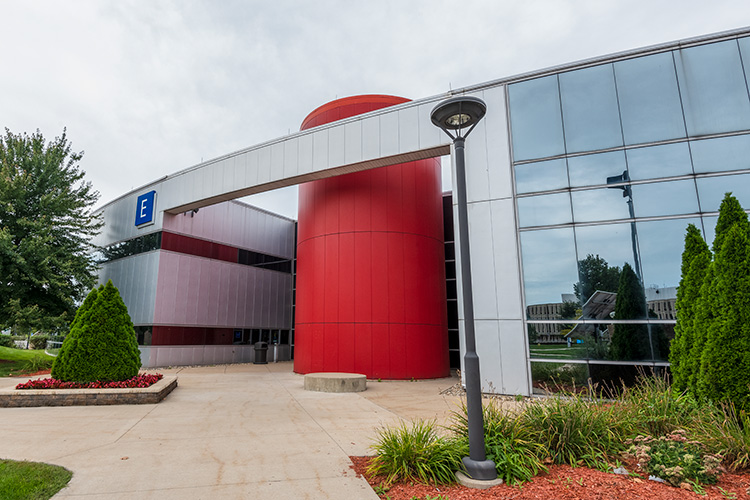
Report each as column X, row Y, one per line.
column 458, row 113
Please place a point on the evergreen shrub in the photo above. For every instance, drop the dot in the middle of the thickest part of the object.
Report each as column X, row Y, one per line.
column 102, row 344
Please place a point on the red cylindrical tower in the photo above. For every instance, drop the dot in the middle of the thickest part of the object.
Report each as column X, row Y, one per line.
column 371, row 266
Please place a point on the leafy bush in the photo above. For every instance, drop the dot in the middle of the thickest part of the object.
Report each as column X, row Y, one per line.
column 102, row 345
column 6, row 341
column 39, row 341
column 675, row 459
column 416, row 452
column 509, row 442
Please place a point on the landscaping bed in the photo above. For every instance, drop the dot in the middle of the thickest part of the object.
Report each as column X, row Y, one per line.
column 646, row 441
column 562, row 482
column 13, row 397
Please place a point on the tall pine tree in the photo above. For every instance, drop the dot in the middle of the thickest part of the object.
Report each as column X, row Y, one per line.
column 630, row 341
column 695, row 260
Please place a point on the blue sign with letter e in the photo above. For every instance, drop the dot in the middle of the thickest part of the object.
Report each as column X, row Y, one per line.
column 144, row 209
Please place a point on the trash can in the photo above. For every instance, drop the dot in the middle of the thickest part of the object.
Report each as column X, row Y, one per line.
column 261, row 353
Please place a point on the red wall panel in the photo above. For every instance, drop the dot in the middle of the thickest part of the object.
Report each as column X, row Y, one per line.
column 370, row 273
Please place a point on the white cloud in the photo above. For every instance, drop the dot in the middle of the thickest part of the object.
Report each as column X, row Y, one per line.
column 147, row 88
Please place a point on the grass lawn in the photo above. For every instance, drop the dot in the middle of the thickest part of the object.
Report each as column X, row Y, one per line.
column 557, row 351
column 31, row 480
column 16, row 361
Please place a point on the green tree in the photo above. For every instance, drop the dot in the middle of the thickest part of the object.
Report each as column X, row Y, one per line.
column 570, row 310
column 695, row 261
column 533, row 334
column 60, row 366
column 711, row 303
column 725, row 361
column 730, row 214
column 102, row 344
column 595, row 274
column 46, row 224
column 705, row 315
column 630, row 341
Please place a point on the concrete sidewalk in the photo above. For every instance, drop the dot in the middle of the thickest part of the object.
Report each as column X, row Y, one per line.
column 229, row 431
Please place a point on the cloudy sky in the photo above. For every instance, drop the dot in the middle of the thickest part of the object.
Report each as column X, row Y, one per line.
column 150, row 87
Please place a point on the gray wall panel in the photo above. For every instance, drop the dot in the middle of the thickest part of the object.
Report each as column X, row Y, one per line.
column 276, row 168
column 135, row 277
column 337, row 145
column 482, row 261
column 353, row 146
column 488, row 347
column 389, row 134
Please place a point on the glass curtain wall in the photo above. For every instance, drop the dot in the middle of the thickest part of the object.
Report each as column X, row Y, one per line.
column 611, row 164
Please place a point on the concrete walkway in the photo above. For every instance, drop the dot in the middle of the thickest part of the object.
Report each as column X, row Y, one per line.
column 229, row 431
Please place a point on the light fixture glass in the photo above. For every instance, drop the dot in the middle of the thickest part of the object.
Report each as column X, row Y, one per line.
column 458, row 119
column 458, row 113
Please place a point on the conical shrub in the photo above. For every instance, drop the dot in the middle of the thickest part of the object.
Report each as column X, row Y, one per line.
column 102, row 344
column 725, row 360
column 695, row 261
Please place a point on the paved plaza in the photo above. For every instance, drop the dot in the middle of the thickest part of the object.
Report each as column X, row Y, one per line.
column 227, row 431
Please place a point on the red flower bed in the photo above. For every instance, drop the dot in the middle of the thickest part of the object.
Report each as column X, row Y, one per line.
column 140, row 380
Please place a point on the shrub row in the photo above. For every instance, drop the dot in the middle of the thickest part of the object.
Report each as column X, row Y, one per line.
column 711, row 351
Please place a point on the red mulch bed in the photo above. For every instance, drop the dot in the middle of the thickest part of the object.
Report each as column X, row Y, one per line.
column 566, row 483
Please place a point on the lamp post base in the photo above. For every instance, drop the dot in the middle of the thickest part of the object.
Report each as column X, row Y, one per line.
column 480, row 470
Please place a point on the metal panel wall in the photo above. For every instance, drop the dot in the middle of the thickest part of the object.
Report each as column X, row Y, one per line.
column 195, row 291
column 500, row 337
column 135, row 277
column 239, row 225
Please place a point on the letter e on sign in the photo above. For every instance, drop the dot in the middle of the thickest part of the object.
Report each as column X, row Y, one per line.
column 144, row 209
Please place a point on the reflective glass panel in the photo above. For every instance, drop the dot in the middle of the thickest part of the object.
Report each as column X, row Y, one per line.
column 602, row 251
column 744, row 44
column 712, row 189
column 660, row 244
column 712, row 85
column 722, row 154
column 549, row 265
column 541, row 176
column 665, row 198
column 649, row 99
column 536, row 125
column 599, row 204
column 593, row 170
column 545, row 333
column 550, row 378
column 544, row 210
column 590, row 114
column 654, row 162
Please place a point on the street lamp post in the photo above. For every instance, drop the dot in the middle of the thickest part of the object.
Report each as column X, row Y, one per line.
column 457, row 114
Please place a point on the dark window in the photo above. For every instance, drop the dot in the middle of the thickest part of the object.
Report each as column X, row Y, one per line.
column 141, row 244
